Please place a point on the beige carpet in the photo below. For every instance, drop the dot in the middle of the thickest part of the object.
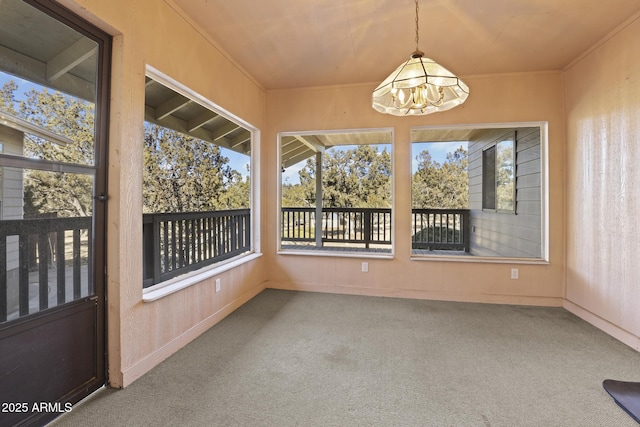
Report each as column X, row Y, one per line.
column 308, row 359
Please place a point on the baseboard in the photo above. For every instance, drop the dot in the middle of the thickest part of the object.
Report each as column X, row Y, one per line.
column 144, row 365
column 604, row 325
column 422, row 294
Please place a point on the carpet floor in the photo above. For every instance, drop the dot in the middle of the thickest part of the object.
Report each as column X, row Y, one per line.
column 309, row 359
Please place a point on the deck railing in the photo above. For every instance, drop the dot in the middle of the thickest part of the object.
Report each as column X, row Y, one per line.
column 432, row 229
column 440, row 229
column 339, row 225
column 176, row 243
column 42, row 247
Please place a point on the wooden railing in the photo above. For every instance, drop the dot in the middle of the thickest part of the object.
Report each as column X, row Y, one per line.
column 432, row 229
column 440, row 229
column 176, row 243
column 339, row 225
column 47, row 246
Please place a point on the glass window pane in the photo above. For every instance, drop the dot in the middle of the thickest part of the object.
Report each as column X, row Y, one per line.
column 503, row 165
column 196, row 184
column 336, row 191
column 489, row 178
column 47, row 86
column 505, row 176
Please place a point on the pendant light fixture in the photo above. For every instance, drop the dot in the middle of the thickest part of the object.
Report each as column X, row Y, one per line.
column 419, row 86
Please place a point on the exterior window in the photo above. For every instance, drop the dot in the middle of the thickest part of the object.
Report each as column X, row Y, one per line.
column 336, row 192
column 498, row 176
column 197, row 183
column 479, row 191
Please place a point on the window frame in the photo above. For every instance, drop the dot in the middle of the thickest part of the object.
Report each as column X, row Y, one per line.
column 544, row 189
column 329, row 252
column 159, row 290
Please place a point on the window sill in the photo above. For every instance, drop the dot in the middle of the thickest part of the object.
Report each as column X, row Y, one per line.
column 337, row 254
column 176, row 284
column 483, row 259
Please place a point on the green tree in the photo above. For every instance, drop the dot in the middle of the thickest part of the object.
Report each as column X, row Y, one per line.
column 185, row 174
column 66, row 194
column 357, row 177
column 7, row 97
column 237, row 194
column 505, row 176
column 296, row 196
column 443, row 186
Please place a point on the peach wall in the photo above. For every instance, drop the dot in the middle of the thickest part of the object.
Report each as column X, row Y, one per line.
column 142, row 334
column 493, row 99
column 603, row 202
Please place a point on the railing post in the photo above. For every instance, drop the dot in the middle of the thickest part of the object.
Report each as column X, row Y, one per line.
column 247, row 230
column 156, row 249
column 147, row 251
column 466, row 227
column 318, row 224
column 367, row 227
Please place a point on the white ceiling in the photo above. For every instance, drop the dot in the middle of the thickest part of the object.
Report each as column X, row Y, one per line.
column 303, row 43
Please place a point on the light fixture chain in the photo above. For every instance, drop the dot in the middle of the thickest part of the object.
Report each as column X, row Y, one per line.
column 417, row 26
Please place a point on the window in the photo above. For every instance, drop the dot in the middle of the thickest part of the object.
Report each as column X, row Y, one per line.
column 489, row 178
column 336, row 192
column 197, row 183
column 499, row 176
column 479, row 191
column 53, row 121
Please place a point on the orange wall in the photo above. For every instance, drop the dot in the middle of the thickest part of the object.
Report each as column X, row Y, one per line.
column 493, row 99
column 149, row 32
column 603, row 176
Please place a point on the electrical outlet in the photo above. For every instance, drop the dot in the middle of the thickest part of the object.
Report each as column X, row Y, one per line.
column 514, row 273
column 217, row 285
column 365, row 267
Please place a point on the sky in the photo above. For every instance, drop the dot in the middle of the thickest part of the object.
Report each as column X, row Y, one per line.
column 438, row 151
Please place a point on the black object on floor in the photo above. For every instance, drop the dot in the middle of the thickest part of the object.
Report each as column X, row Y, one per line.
column 626, row 395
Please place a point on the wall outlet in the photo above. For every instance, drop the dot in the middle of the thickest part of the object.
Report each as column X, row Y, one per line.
column 365, row 267
column 217, row 285
column 514, row 273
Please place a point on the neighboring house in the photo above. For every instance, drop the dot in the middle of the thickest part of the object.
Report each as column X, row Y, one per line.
column 11, row 191
column 506, row 218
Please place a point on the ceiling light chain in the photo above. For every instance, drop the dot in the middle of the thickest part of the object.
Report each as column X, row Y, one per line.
column 417, row 27
column 419, row 86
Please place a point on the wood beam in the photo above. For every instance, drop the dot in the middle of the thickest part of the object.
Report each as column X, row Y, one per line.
column 179, row 125
column 241, row 139
column 66, row 60
column 171, row 106
column 297, row 158
column 311, row 142
column 33, row 70
column 224, row 130
column 201, row 120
